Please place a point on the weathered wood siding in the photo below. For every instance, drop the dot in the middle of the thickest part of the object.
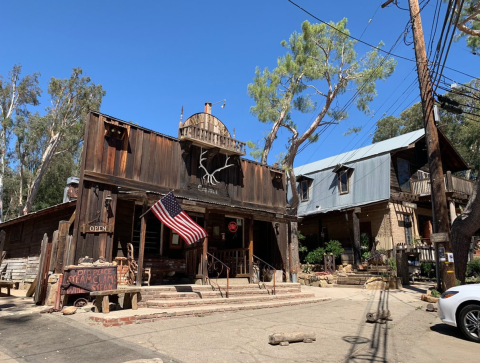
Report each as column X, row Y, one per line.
column 147, row 161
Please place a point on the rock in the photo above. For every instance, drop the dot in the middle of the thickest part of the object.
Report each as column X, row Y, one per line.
column 316, row 283
column 431, row 308
column 69, row 310
column 323, row 283
column 348, row 268
column 302, row 281
column 341, row 274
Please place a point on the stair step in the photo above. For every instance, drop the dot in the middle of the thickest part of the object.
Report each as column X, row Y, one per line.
column 231, row 300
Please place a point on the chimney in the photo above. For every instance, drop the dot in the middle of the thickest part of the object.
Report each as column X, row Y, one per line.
column 208, row 108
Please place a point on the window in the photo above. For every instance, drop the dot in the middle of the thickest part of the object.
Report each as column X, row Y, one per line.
column 408, row 228
column 304, row 190
column 403, row 169
column 343, row 181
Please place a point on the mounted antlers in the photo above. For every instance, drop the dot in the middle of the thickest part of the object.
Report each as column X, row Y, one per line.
column 209, row 177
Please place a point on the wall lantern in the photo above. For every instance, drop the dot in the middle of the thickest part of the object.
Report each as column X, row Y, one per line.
column 108, row 201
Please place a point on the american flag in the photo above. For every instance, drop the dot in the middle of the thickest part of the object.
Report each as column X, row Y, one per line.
column 172, row 215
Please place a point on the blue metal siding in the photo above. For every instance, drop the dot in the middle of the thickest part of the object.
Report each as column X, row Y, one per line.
column 369, row 182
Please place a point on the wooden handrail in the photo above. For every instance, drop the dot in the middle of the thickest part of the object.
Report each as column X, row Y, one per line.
column 270, row 267
column 213, row 138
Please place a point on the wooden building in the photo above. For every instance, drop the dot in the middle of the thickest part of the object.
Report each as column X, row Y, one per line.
column 126, row 169
column 380, row 193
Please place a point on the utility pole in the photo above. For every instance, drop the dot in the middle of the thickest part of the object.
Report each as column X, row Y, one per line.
column 439, row 198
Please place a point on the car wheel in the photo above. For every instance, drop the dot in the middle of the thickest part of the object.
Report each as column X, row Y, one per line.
column 469, row 322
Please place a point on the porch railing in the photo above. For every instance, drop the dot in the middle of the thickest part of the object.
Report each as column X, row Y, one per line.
column 214, row 265
column 210, row 138
column 237, row 259
column 452, row 184
column 264, row 271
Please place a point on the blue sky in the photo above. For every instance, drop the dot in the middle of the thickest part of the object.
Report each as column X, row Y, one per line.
column 153, row 57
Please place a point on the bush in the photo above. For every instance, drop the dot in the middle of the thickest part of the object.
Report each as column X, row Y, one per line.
column 435, row 293
column 427, row 269
column 473, row 268
column 334, row 247
column 315, row 256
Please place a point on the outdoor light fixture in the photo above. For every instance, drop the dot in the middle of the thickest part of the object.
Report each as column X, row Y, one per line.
column 108, row 201
column 223, row 105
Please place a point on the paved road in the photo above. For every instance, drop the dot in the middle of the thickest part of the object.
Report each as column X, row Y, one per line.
column 47, row 338
column 339, row 324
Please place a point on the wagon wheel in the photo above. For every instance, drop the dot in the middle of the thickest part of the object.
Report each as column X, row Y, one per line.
column 80, row 302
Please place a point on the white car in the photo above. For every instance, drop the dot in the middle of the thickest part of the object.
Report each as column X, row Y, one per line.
column 460, row 306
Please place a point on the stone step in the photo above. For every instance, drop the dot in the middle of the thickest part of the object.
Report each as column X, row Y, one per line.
column 164, row 304
column 125, row 317
column 269, row 291
column 351, row 280
column 192, row 288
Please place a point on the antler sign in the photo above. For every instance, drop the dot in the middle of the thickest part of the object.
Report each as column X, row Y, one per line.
column 209, row 178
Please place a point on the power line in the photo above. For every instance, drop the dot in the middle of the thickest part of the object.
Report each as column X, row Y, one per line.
column 348, row 35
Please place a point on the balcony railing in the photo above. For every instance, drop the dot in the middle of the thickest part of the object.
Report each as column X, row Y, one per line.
column 203, row 137
column 452, row 184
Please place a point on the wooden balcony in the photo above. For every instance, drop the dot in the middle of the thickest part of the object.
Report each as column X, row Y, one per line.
column 452, row 184
column 209, row 139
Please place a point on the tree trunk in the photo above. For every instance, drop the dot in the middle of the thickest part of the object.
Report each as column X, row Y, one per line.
column 273, row 133
column 294, row 254
column 46, row 161
column 3, row 150
column 463, row 228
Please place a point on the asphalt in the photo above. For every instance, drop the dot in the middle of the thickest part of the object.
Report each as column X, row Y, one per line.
column 339, row 324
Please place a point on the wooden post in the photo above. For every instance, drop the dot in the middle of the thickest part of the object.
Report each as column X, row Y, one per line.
column 63, row 227
column 53, row 259
column 204, row 260
column 357, row 260
column 41, row 268
column 439, row 198
column 141, row 252
column 250, row 248
column 2, row 243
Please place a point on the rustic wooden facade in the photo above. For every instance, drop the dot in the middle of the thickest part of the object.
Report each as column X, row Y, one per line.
column 126, row 169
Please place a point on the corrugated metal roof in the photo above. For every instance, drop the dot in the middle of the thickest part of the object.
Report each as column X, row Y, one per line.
column 361, row 153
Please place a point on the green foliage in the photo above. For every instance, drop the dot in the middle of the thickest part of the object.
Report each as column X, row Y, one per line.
column 334, row 247
column 318, row 65
column 255, row 150
column 307, row 268
column 315, row 256
column 427, row 268
column 392, row 262
column 435, row 293
column 473, row 268
column 365, row 255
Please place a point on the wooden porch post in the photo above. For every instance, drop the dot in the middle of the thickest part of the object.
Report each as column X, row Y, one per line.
column 356, row 237
column 204, row 263
column 141, row 252
column 250, row 248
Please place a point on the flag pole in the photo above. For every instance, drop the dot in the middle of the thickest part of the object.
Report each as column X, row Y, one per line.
column 148, row 210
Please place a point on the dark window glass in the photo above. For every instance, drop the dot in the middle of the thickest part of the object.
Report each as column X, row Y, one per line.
column 408, row 229
column 343, row 182
column 304, row 190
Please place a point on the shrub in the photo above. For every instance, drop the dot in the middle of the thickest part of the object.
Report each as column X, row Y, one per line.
column 435, row 293
column 473, row 268
column 427, row 268
column 334, row 247
column 315, row 256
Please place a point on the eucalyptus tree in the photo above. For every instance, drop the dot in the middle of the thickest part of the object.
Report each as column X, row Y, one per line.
column 319, row 65
column 16, row 94
column 469, row 23
column 61, row 129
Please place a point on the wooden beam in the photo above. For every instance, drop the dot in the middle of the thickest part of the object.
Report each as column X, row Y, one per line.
column 63, row 227
column 356, row 239
column 204, row 263
column 250, row 248
column 141, row 252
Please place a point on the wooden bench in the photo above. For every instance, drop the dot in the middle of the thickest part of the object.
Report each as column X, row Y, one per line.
column 8, row 285
column 128, row 298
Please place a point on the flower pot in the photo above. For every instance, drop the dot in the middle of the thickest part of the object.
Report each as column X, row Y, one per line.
column 294, row 278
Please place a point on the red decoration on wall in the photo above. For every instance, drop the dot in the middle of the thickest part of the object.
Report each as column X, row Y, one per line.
column 233, row 226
